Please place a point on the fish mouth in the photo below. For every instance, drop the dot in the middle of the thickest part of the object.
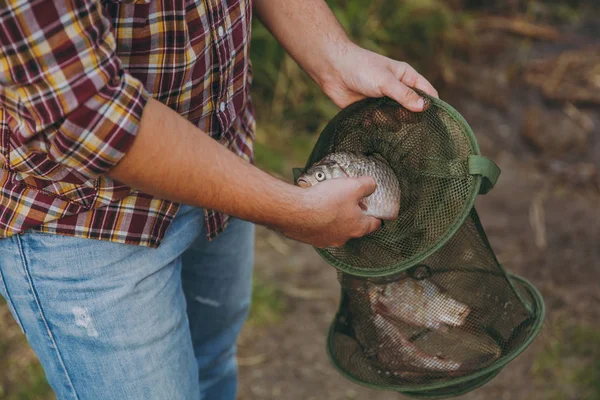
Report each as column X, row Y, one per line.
column 303, row 183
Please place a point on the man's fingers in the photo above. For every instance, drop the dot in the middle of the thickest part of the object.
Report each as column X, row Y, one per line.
column 367, row 186
column 373, row 224
column 402, row 94
column 411, row 78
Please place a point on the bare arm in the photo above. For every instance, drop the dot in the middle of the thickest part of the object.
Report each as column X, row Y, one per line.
column 173, row 159
column 310, row 33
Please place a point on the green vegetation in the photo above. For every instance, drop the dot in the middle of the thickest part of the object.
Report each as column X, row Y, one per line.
column 278, row 149
column 268, row 158
column 569, row 365
column 33, row 385
column 268, row 304
column 21, row 375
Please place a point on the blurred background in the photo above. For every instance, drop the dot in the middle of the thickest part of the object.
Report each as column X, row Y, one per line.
column 525, row 74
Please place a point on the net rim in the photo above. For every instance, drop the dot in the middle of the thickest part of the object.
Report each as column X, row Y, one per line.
column 473, row 384
column 452, row 229
column 539, row 317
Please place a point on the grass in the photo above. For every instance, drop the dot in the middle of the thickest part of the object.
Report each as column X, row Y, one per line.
column 21, row 375
column 279, row 149
column 268, row 158
column 268, row 304
column 34, row 386
column 569, row 365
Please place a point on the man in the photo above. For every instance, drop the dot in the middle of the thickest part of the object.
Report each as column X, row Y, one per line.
column 99, row 98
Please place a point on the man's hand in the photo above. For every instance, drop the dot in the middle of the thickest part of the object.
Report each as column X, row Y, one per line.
column 308, row 30
column 332, row 214
column 360, row 73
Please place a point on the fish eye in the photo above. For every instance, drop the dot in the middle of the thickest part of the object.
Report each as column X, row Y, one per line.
column 320, row 176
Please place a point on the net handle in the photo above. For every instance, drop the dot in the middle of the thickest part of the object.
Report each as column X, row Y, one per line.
column 489, row 171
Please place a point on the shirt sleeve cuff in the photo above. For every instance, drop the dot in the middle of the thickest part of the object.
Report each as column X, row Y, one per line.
column 96, row 135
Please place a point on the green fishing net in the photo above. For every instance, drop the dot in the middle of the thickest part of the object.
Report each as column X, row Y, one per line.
column 426, row 309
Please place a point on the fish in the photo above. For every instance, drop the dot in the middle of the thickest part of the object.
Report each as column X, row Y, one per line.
column 418, row 302
column 396, row 350
column 392, row 351
column 383, row 203
column 397, row 354
column 392, row 306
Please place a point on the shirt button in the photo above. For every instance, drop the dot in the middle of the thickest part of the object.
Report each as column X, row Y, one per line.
column 220, row 31
column 222, row 106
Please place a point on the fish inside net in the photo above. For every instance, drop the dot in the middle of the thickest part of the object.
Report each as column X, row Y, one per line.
column 426, row 309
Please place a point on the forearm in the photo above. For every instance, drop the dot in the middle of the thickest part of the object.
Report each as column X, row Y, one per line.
column 172, row 159
column 309, row 32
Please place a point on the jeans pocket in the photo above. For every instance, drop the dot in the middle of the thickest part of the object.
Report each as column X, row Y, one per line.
column 11, row 307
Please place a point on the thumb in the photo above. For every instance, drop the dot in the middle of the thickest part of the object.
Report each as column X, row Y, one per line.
column 367, row 186
column 373, row 224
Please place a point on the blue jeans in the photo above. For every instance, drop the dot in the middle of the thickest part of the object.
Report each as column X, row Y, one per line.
column 112, row 321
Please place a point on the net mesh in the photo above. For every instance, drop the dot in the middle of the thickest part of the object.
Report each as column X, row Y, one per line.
column 426, row 308
column 450, row 316
column 428, row 152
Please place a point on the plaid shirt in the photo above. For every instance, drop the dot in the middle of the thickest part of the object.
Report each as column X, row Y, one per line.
column 74, row 78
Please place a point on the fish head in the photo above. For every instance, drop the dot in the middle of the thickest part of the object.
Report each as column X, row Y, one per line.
column 320, row 172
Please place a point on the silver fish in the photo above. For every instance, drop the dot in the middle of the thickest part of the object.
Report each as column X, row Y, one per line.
column 416, row 303
column 383, row 203
column 396, row 350
column 392, row 349
column 419, row 303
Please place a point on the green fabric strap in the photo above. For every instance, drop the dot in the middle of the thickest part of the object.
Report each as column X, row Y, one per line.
column 489, row 171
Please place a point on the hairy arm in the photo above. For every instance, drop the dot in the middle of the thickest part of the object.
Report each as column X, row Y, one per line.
column 310, row 33
column 197, row 170
column 173, row 159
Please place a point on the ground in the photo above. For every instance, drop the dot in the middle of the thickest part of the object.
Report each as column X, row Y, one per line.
column 543, row 221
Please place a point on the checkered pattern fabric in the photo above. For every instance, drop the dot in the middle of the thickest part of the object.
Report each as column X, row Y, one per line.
column 75, row 76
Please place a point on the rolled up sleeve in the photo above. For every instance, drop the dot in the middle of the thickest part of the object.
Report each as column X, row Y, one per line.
column 63, row 82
